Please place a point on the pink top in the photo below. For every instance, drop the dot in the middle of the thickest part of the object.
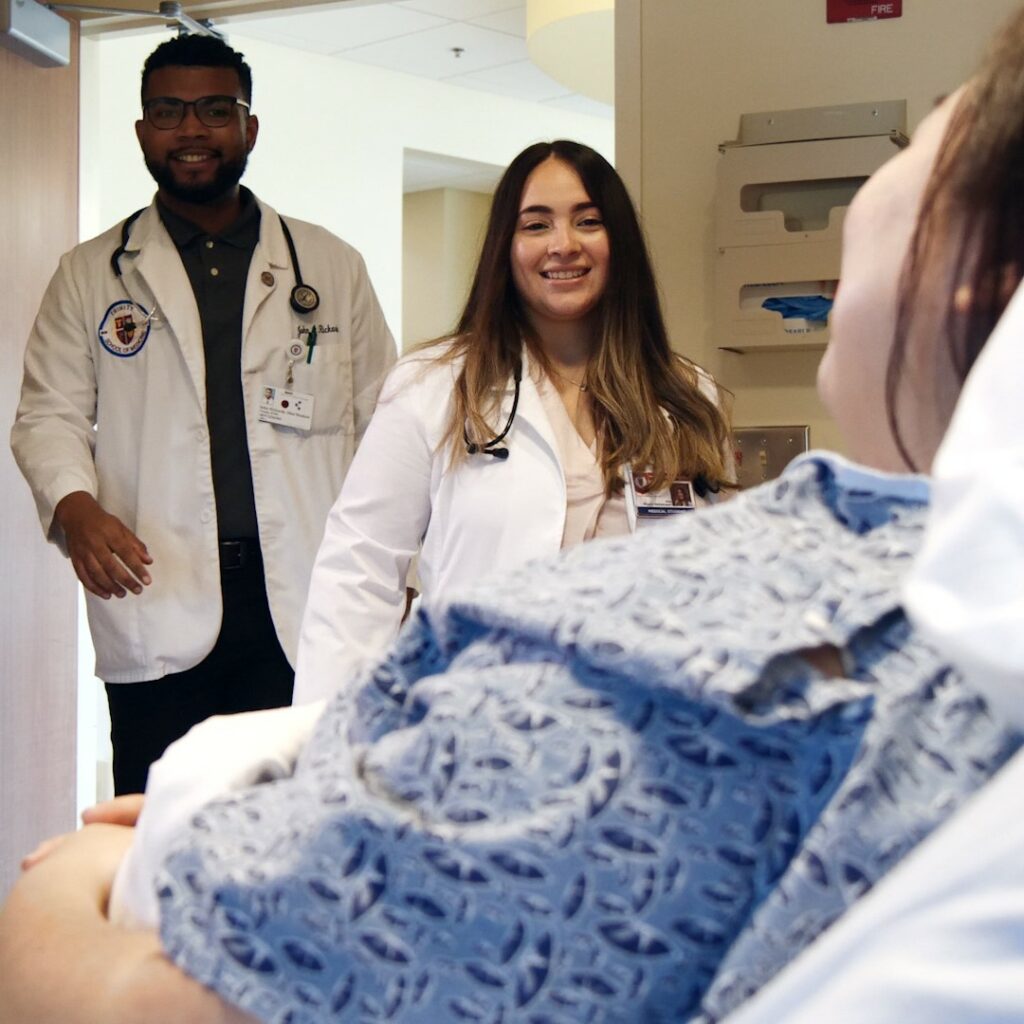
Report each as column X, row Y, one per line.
column 588, row 513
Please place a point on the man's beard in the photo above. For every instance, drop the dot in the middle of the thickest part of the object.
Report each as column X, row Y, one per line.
column 228, row 175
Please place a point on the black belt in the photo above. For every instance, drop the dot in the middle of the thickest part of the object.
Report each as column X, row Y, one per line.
column 234, row 554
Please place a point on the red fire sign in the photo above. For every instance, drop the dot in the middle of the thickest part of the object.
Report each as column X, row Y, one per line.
column 863, row 10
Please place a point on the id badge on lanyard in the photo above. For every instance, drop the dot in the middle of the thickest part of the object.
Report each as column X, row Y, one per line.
column 284, row 406
column 646, row 506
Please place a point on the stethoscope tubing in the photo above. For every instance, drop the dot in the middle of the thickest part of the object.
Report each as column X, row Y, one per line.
column 490, row 447
column 303, row 298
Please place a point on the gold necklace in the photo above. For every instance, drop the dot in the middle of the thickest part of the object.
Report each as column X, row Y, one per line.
column 562, row 376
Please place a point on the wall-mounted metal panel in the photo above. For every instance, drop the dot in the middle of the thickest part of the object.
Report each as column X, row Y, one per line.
column 762, row 453
column 35, row 33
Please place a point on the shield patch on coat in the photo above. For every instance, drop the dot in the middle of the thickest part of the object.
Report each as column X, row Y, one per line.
column 124, row 328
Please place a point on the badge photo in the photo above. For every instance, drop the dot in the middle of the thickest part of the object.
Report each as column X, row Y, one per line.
column 286, row 408
column 644, row 505
column 124, row 328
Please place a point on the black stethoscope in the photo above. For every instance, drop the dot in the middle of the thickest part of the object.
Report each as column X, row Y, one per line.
column 490, row 447
column 701, row 485
column 303, row 297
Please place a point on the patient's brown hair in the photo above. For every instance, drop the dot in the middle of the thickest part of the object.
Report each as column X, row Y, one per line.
column 969, row 240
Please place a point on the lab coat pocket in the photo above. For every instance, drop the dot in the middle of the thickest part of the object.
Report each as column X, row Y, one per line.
column 326, row 374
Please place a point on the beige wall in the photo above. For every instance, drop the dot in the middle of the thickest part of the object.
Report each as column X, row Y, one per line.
column 442, row 230
column 38, row 686
column 688, row 70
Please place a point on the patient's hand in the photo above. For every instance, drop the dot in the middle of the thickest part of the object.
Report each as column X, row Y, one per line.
column 62, row 960
column 122, row 810
column 93, row 854
column 43, row 850
column 106, row 844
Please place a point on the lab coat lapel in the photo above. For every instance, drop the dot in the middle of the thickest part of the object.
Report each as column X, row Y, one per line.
column 530, row 413
column 153, row 260
column 271, row 257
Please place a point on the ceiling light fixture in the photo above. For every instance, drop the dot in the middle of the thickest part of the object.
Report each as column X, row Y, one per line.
column 573, row 41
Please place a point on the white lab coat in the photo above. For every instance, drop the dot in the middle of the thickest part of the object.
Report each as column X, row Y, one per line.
column 131, row 430
column 486, row 516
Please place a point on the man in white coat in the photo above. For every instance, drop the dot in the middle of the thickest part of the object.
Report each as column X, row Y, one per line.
column 190, row 404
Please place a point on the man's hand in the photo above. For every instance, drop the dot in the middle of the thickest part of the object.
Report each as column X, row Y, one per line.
column 108, row 558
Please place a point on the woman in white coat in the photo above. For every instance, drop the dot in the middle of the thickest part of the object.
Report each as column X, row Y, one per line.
column 516, row 436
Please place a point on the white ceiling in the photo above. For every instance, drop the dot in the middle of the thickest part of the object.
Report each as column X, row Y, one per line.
column 421, row 37
column 474, row 44
column 422, row 171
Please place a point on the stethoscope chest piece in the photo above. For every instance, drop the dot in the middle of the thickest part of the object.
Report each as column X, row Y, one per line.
column 304, row 298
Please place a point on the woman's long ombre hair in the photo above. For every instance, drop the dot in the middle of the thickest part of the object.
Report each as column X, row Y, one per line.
column 646, row 401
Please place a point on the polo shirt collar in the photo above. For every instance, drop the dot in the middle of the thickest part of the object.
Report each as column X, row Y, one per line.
column 243, row 233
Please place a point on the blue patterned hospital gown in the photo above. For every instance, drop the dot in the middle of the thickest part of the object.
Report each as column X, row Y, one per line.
column 602, row 789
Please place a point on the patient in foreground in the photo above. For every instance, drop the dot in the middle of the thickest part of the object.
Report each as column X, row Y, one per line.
column 636, row 781
column 941, row 939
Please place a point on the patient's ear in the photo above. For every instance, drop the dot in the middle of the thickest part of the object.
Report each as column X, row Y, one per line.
column 997, row 292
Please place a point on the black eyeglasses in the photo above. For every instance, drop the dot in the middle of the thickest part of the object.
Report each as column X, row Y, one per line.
column 167, row 112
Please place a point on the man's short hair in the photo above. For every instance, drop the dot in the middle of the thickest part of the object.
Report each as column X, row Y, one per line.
column 198, row 51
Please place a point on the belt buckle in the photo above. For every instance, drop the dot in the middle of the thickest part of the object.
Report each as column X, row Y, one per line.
column 232, row 554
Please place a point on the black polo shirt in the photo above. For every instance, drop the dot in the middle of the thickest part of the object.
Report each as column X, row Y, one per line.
column 218, row 266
